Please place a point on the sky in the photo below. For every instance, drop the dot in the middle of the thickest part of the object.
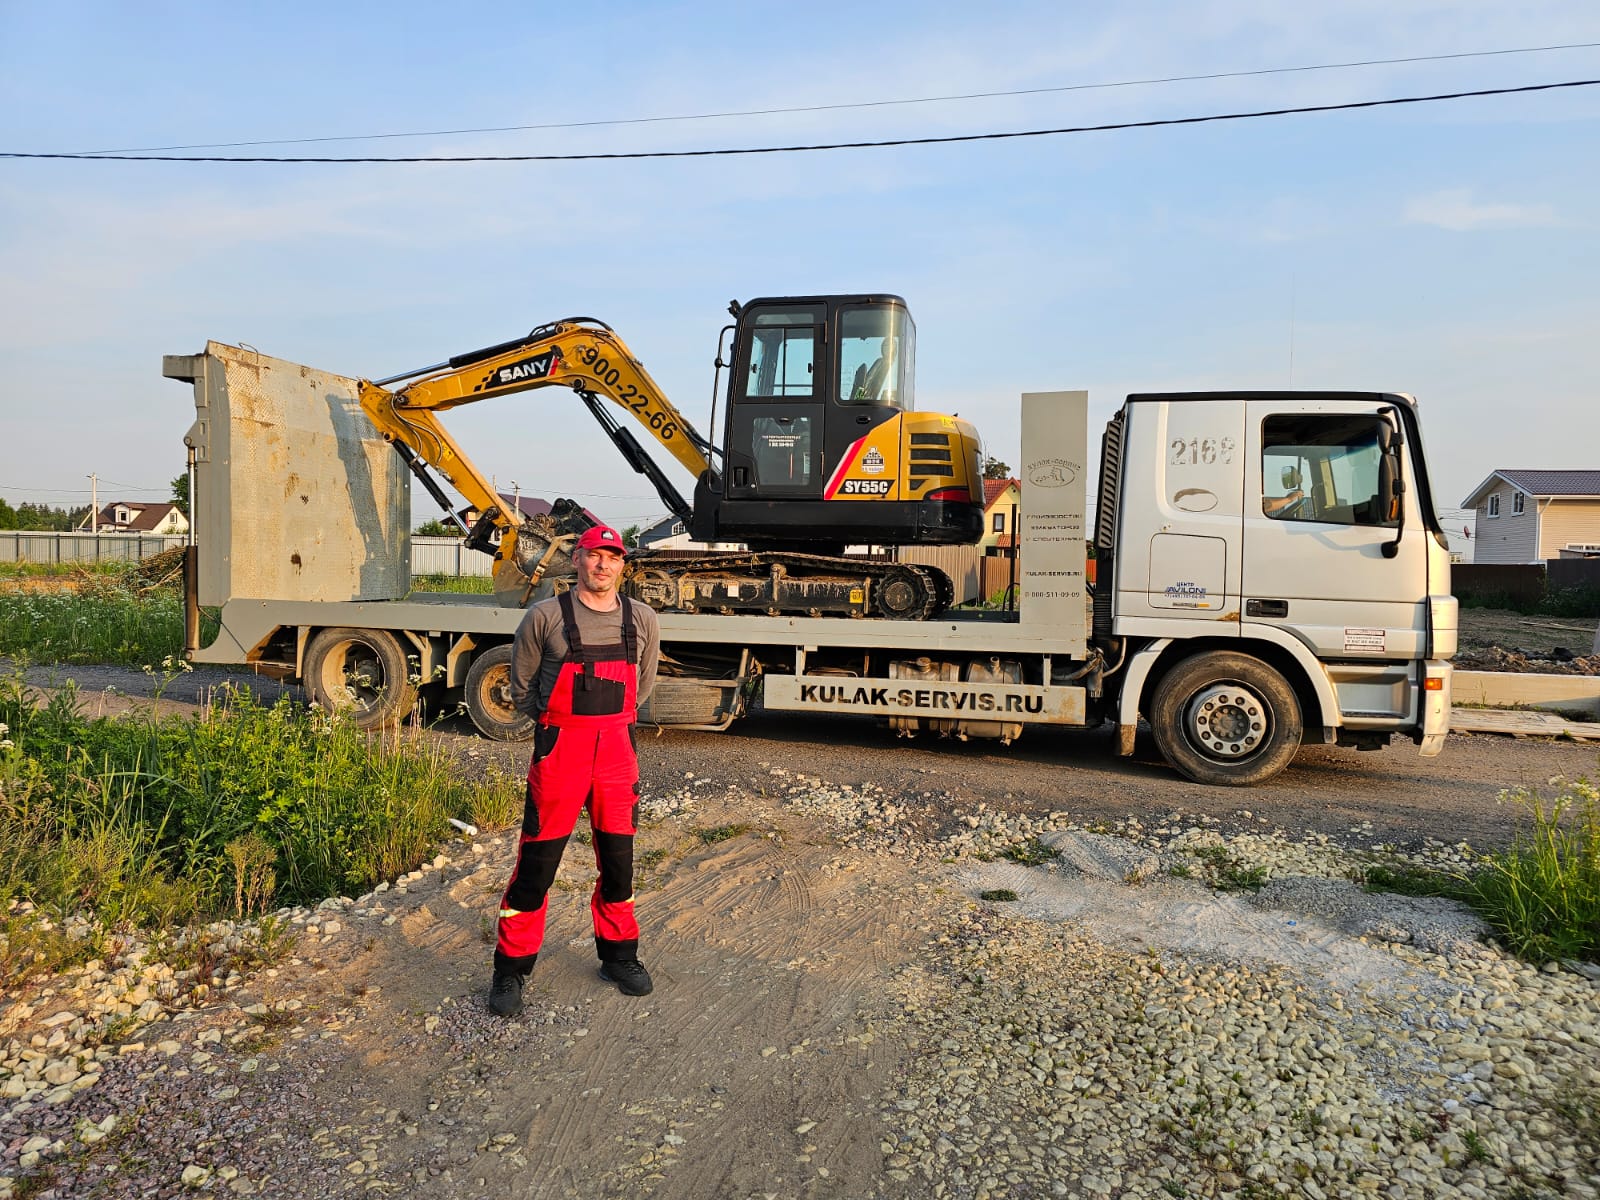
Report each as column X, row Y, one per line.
column 1449, row 250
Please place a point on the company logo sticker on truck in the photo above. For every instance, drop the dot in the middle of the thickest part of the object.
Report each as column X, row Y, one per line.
column 1188, row 595
column 940, row 699
column 1052, row 472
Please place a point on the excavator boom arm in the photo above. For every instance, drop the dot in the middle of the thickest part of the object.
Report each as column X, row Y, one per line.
column 579, row 353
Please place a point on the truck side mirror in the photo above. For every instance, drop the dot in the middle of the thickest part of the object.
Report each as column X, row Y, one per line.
column 1391, row 481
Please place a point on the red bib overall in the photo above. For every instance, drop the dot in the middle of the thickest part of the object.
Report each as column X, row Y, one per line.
column 583, row 755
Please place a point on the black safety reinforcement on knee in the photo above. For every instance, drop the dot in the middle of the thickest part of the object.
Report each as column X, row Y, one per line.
column 614, row 851
column 536, row 871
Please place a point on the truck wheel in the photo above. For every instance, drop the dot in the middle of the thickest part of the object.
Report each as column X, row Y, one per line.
column 1226, row 718
column 362, row 673
column 488, row 696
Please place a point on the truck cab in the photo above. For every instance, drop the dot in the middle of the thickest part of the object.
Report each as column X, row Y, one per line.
column 1273, row 566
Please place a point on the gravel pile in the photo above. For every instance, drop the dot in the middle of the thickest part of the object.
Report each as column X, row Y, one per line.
column 141, row 1078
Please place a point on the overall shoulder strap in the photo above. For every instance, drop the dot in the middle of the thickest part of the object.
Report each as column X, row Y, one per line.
column 569, row 627
column 630, row 635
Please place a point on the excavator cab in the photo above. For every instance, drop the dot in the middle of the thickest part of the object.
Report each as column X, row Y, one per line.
column 822, row 445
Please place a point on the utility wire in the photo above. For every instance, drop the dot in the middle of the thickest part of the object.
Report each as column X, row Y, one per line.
column 816, row 108
column 873, row 145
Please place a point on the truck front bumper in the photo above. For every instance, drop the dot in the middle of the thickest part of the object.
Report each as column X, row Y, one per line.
column 1434, row 706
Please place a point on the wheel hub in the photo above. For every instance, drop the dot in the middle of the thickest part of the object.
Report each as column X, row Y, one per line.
column 1228, row 721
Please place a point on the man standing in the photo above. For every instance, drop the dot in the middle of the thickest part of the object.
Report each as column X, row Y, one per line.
column 582, row 663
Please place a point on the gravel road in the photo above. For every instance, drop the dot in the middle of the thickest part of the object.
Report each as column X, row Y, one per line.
column 841, row 1012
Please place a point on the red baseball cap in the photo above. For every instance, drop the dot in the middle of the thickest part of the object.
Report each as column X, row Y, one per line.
column 602, row 537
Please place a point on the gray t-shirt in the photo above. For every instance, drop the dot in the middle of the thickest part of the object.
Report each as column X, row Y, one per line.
column 541, row 648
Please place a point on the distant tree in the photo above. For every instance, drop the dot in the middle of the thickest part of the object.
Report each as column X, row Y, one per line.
column 993, row 468
column 436, row 528
column 630, row 537
column 8, row 515
column 180, row 493
column 43, row 516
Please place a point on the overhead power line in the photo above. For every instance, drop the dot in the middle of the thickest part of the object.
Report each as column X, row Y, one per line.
column 796, row 149
column 891, row 103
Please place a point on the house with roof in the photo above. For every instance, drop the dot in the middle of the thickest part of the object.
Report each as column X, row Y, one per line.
column 1002, row 500
column 669, row 533
column 1529, row 516
column 128, row 516
column 531, row 506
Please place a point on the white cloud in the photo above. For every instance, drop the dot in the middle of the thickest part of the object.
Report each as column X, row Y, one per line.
column 1455, row 209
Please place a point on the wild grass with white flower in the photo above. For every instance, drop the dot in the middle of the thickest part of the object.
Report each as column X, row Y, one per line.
column 107, row 617
column 146, row 822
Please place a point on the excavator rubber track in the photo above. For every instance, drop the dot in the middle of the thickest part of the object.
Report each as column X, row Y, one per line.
column 771, row 583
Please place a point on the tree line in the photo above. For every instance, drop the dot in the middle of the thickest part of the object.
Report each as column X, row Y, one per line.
column 29, row 515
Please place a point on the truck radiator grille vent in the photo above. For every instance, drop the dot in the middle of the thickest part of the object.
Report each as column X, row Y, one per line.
column 1105, row 525
column 929, row 456
column 930, row 439
column 1105, row 517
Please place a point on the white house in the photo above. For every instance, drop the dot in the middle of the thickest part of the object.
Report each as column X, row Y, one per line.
column 127, row 516
column 1529, row 516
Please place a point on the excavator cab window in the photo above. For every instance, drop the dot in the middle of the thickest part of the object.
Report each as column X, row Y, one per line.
column 877, row 357
column 783, row 354
column 776, row 402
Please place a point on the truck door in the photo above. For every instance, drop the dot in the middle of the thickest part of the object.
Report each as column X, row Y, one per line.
column 1315, row 528
column 1179, row 554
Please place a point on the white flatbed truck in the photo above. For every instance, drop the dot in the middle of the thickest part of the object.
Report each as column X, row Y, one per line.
column 1270, row 573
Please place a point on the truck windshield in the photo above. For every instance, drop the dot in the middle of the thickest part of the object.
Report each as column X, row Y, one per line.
column 877, row 357
column 1322, row 467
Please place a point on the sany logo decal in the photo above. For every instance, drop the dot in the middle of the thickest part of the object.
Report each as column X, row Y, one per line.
column 539, row 366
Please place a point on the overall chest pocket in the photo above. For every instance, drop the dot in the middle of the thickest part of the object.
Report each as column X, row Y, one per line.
column 593, row 696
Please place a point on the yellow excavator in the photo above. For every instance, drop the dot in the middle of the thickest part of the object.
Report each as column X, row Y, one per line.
column 822, row 448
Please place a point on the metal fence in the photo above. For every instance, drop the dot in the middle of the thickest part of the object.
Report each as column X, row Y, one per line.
column 1524, row 583
column 447, row 556
column 34, row 546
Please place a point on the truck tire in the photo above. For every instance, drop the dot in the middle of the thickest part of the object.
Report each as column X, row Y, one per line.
column 362, row 673
column 488, row 697
column 1226, row 718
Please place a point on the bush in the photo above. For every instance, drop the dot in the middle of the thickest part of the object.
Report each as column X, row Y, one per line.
column 147, row 821
column 105, row 619
column 1543, row 894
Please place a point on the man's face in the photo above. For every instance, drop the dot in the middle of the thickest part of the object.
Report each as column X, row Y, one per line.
column 598, row 570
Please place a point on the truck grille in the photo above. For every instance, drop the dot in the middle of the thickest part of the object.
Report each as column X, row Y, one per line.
column 1105, row 525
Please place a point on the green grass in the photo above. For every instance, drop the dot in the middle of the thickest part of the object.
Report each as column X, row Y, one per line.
column 713, row 834
column 106, row 619
column 1031, row 853
column 1227, row 873
column 477, row 585
column 64, row 570
column 146, row 823
column 1405, row 880
column 1542, row 895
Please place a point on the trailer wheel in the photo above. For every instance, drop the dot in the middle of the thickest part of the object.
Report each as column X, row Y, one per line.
column 1226, row 718
column 488, row 697
column 362, row 673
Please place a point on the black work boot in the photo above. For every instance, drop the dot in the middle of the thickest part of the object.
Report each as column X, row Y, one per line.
column 505, row 993
column 629, row 975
